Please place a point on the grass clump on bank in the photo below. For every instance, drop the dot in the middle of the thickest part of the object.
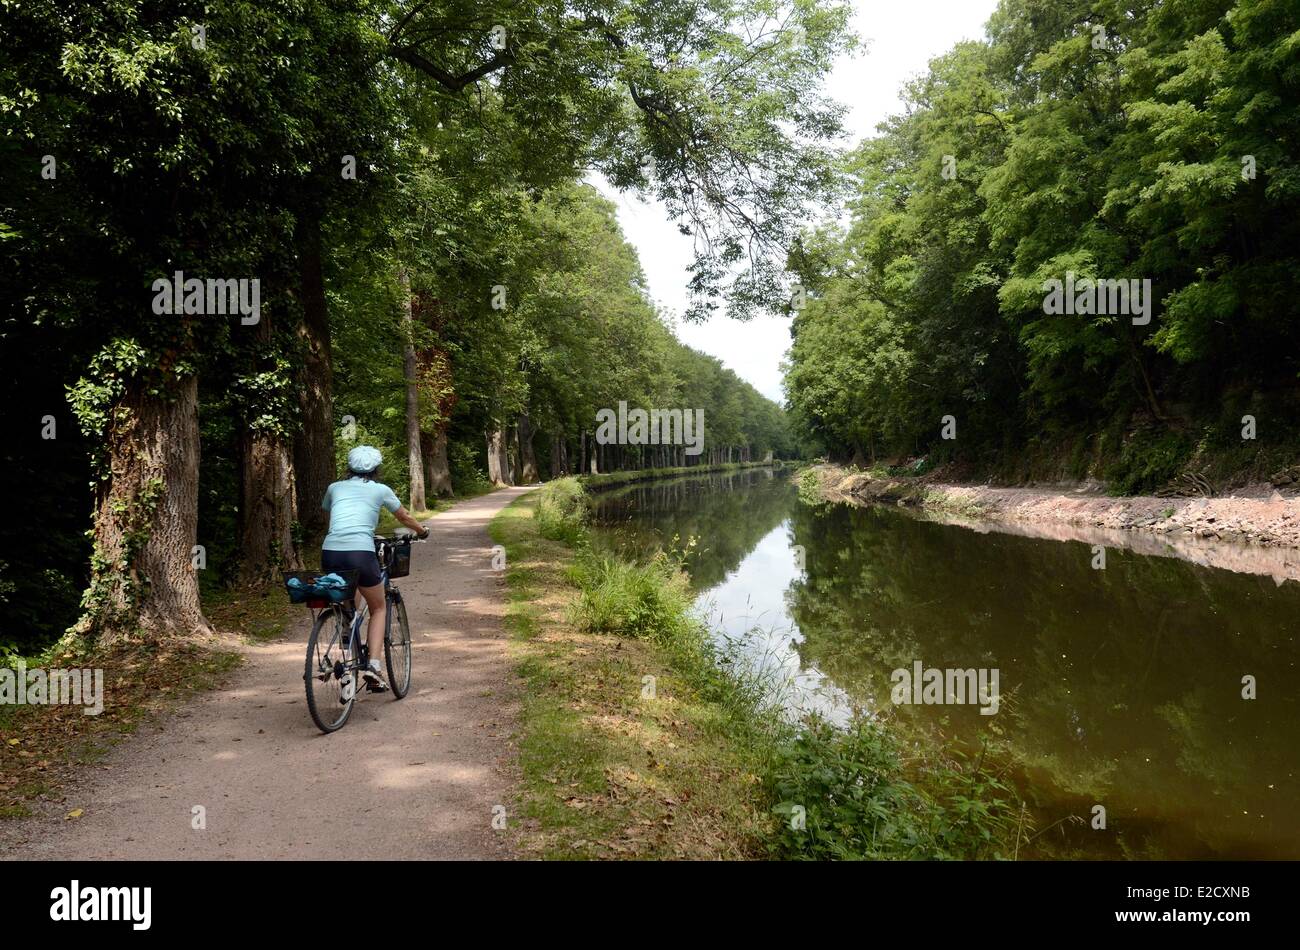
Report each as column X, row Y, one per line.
column 636, row 727
column 562, row 511
column 851, row 794
column 646, row 601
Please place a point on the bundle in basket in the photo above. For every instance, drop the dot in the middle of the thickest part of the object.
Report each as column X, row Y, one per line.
column 320, row 588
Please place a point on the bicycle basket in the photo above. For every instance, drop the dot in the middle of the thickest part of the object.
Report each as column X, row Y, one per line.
column 399, row 558
column 318, row 589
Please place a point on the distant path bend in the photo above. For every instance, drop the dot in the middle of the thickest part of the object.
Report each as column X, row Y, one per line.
column 419, row 778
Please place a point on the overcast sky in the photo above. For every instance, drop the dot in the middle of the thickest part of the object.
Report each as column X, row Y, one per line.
column 900, row 38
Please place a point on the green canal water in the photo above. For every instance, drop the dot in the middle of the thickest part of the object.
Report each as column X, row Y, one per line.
column 1120, row 687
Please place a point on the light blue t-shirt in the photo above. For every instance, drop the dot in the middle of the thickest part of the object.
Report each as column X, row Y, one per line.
column 354, row 513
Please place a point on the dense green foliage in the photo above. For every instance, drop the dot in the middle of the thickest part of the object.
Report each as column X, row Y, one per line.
column 580, row 334
column 1154, row 140
column 399, row 176
column 858, row 801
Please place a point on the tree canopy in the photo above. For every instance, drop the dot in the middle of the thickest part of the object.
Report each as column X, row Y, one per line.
column 401, row 179
column 1141, row 141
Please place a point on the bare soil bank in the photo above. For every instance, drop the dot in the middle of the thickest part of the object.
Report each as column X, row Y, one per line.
column 1257, row 535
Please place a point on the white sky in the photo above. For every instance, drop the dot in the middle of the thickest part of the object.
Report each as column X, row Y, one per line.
column 900, row 38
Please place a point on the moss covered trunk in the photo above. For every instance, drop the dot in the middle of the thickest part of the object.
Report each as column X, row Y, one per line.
column 143, row 582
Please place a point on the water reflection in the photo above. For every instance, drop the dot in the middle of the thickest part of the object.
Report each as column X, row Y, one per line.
column 1120, row 686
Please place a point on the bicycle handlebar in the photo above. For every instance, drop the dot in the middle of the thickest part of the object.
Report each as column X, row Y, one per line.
column 394, row 539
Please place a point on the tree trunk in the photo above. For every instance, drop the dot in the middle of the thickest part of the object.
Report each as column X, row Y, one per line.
column 268, row 504
column 267, row 508
column 527, row 458
column 414, row 458
column 435, row 456
column 512, row 454
column 557, row 456
column 146, row 517
column 497, row 457
column 314, row 447
column 595, row 448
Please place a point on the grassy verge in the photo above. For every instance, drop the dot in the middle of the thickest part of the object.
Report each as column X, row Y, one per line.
column 623, row 752
column 638, row 739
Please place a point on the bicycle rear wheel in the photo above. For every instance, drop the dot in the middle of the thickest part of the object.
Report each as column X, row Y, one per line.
column 330, row 675
column 397, row 648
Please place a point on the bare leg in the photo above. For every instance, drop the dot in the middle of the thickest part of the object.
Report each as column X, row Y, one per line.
column 374, row 597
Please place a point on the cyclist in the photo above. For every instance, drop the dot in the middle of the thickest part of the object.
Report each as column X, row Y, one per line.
column 353, row 505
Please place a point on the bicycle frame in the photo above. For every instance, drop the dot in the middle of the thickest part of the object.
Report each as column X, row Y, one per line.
column 356, row 639
column 353, row 659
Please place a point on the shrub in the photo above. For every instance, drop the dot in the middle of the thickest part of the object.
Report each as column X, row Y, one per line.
column 650, row 601
column 1147, row 462
column 562, row 511
column 860, row 802
column 467, row 474
column 810, row 490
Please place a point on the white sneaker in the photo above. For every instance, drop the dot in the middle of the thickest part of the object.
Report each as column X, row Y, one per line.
column 374, row 678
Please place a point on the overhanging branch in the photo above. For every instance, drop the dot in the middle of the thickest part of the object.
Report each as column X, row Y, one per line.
column 448, row 80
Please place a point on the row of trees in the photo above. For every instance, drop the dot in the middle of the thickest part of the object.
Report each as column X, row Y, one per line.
column 1153, row 140
column 385, row 170
column 510, row 360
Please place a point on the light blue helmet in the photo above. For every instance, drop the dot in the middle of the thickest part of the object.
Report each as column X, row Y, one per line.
column 364, row 459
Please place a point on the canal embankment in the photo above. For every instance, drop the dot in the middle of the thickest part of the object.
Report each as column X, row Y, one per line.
column 1255, row 532
column 639, row 738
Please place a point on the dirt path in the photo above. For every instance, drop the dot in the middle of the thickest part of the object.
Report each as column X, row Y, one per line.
column 417, row 778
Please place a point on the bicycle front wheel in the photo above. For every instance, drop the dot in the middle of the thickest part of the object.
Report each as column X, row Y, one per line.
column 330, row 675
column 397, row 648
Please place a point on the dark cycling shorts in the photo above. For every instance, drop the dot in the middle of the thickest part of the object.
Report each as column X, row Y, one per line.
column 366, row 562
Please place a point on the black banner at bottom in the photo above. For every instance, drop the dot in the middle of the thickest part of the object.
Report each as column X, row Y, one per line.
column 146, row 899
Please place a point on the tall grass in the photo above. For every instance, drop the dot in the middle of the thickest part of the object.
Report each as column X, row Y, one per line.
column 562, row 511
column 650, row 601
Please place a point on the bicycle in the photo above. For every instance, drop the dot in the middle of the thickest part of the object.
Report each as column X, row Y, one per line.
column 336, row 649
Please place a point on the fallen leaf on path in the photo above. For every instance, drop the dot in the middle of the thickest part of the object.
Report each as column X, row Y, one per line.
column 75, row 813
